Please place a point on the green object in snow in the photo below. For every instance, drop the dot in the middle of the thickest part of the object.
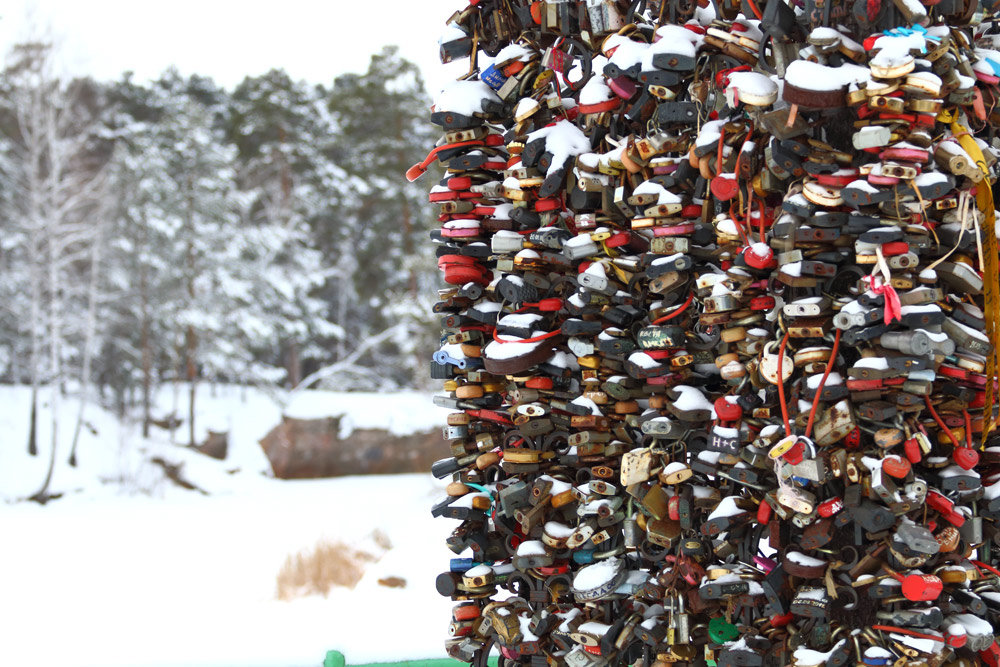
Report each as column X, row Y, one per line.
column 336, row 659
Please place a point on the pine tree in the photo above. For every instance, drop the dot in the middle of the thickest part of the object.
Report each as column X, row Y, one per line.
column 378, row 118
column 279, row 131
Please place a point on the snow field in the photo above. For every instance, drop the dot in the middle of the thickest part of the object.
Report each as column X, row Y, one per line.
column 111, row 576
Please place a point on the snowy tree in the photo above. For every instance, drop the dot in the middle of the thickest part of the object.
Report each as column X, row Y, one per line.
column 380, row 131
column 254, row 236
column 54, row 183
column 141, row 275
column 280, row 133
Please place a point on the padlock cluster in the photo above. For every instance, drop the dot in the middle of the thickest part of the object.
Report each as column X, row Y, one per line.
column 720, row 332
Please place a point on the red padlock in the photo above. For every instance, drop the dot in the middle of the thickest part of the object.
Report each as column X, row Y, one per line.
column 896, row 466
column 539, row 382
column 781, row 620
column 764, row 511
column 548, row 204
column 828, row 508
column 991, row 656
column 795, row 453
column 921, row 587
column 955, row 635
column 725, row 187
column 443, row 195
column 939, row 503
column 759, row 256
column 618, row 239
column 965, row 457
column 894, row 248
column 726, row 411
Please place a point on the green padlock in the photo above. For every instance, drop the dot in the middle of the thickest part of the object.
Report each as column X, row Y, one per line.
column 721, row 631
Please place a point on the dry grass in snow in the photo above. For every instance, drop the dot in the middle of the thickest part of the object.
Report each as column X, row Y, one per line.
column 330, row 563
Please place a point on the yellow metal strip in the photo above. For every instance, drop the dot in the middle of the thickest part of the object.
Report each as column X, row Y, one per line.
column 991, row 286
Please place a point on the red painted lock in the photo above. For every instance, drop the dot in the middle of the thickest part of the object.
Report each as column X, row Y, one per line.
column 674, row 508
column 953, row 372
column 837, row 179
column 459, row 270
column 726, row 411
column 955, row 518
column 978, row 401
column 896, row 466
column 759, row 256
column 853, row 439
column 939, row 503
column 965, row 457
column 955, row 635
column 542, row 383
column 725, row 187
column 550, row 305
column 444, row 195
column 912, row 450
column 894, row 248
column 764, row 511
column 548, row 204
column 781, row 620
column 828, row 508
column 691, row 211
column 599, row 107
column 921, row 587
column 795, row 453
column 618, row 239
column 465, row 612
column 991, row 656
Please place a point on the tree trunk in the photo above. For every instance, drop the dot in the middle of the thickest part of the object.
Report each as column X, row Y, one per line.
column 147, row 368
column 192, row 376
column 33, row 423
column 55, row 363
column 88, row 344
column 294, row 365
column 176, row 390
column 34, row 317
column 190, row 340
column 147, row 351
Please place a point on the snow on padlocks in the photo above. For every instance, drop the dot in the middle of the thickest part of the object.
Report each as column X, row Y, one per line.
column 721, row 319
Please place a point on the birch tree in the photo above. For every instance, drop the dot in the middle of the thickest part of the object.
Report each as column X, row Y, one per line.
column 55, row 183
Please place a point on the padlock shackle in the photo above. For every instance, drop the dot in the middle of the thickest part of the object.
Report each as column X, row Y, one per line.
column 676, row 312
column 907, row 631
column 819, row 389
column 418, row 170
column 986, row 566
column 781, row 385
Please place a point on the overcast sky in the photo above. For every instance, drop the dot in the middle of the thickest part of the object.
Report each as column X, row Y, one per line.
column 228, row 39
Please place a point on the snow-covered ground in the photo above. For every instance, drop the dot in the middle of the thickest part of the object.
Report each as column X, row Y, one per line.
column 128, row 569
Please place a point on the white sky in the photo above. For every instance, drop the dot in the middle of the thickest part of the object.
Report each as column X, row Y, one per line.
column 313, row 40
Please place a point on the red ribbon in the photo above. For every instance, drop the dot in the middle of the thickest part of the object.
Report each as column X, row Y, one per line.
column 893, row 309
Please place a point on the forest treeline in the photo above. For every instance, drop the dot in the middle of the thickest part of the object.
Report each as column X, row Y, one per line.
column 175, row 230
